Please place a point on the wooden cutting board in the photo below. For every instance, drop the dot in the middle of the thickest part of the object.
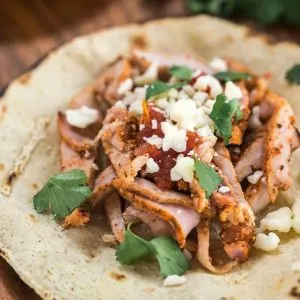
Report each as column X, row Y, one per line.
column 31, row 28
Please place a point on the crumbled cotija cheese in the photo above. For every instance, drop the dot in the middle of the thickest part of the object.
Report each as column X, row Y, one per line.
column 155, row 140
column 224, row 189
column 232, row 91
column 218, row 64
column 125, row 86
column 253, row 178
column 149, row 76
column 120, row 104
column 162, row 103
column 279, row 220
column 184, row 169
column 154, row 124
column 266, row 242
column 296, row 217
column 82, row 117
column 208, row 81
column 151, row 166
column 200, row 97
column 174, row 138
column 174, row 280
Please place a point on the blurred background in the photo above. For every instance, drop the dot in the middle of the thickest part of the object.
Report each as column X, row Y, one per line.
column 31, row 28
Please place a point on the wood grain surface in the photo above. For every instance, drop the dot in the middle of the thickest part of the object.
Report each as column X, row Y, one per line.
column 31, row 28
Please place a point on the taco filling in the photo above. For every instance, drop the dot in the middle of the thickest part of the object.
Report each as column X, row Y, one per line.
column 180, row 154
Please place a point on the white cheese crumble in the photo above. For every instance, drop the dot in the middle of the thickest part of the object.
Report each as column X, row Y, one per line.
column 232, row 91
column 149, row 76
column 200, row 97
column 162, row 103
column 154, row 124
column 173, row 93
column 279, row 220
column 138, row 94
column 254, row 120
column 266, row 242
column 136, row 107
column 174, row 280
column 82, row 117
column 208, row 81
column 155, row 140
column 218, row 64
column 254, row 178
column 174, row 138
column 224, row 189
column 125, row 86
column 141, row 127
column 208, row 106
column 120, row 104
column 151, row 166
column 184, row 169
column 189, row 90
column 296, row 218
column 205, row 131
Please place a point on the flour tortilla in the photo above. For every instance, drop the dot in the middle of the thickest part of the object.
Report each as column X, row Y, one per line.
column 75, row 264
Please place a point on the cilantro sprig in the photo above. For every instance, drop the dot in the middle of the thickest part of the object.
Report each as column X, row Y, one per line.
column 181, row 72
column 293, row 74
column 159, row 87
column 222, row 114
column 266, row 12
column 231, row 76
column 168, row 254
column 208, row 178
column 62, row 193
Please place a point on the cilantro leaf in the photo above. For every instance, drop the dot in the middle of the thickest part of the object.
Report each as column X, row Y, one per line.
column 292, row 11
column 231, row 76
column 62, row 193
column 222, row 114
column 170, row 258
column 214, row 7
column 208, row 178
column 159, row 87
column 132, row 248
column 181, row 72
column 293, row 74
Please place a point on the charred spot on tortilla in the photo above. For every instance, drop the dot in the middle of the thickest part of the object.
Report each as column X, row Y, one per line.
column 25, row 78
column 117, row 276
column 140, row 42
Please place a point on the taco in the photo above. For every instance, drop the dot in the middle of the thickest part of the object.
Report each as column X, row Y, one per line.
column 168, row 141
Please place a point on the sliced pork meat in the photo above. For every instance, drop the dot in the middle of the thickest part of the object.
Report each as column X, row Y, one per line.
column 203, row 255
column 118, row 137
column 149, row 190
column 251, row 158
column 78, row 217
column 238, row 128
column 70, row 159
column 257, row 195
column 223, row 162
column 198, row 195
column 106, row 86
column 182, row 219
column 103, row 185
column 280, row 136
column 204, row 148
column 112, row 205
column 158, row 226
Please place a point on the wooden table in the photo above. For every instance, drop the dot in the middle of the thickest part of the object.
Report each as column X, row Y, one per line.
column 30, row 28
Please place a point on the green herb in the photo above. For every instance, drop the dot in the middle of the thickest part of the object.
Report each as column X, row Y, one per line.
column 293, row 74
column 62, row 193
column 214, row 7
column 265, row 12
column 181, row 72
column 159, row 87
column 231, row 76
column 222, row 114
column 170, row 258
column 208, row 178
